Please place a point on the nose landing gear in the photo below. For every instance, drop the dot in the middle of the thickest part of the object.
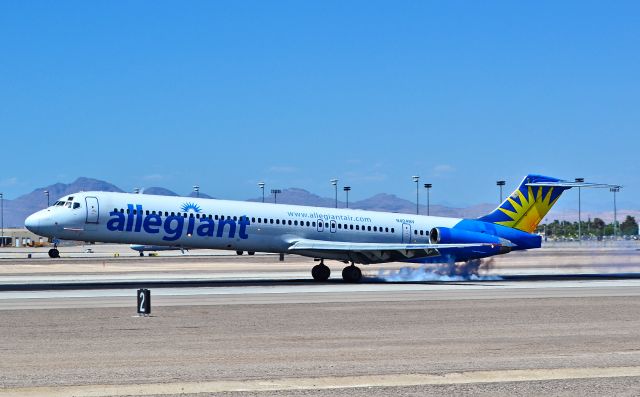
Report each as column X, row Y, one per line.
column 53, row 252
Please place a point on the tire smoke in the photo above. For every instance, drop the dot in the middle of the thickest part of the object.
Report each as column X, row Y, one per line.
column 450, row 271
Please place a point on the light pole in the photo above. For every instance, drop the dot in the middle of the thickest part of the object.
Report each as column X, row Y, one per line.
column 346, row 190
column 275, row 193
column 136, row 190
column 261, row 184
column 46, row 193
column 500, row 185
column 428, row 187
column 334, row 182
column 416, row 179
column 615, row 190
column 2, row 218
column 196, row 189
column 579, row 180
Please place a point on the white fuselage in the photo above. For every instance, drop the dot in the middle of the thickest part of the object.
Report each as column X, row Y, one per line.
column 221, row 224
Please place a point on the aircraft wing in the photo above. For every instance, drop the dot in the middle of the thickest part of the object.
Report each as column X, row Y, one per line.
column 373, row 252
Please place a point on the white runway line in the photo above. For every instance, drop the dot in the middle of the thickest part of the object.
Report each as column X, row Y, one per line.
column 329, row 382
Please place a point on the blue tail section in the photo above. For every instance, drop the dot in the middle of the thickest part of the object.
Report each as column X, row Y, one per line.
column 527, row 205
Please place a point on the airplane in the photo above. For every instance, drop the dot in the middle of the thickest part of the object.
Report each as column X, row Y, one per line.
column 348, row 235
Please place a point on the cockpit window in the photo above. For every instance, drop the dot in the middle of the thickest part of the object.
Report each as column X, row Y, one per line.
column 59, row 203
column 70, row 198
column 76, row 205
column 69, row 204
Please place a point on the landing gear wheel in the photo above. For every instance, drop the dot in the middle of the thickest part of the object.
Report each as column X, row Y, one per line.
column 351, row 274
column 54, row 253
column 239, row 252
column 251, row 253
column 142, row 254
column 321, row 272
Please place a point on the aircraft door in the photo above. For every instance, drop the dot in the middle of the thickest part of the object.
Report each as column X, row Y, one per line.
column 93, row 209
column 406, row 233
column 333, row 226
column 320, row 225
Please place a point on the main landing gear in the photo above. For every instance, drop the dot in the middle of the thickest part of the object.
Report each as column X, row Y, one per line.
column 321, row 272
column 350, row 274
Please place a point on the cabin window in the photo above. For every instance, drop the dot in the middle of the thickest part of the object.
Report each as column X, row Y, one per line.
column 357, row 227
column 313, row 224
column 289, row 222
column 326, row 224
column 339, row 225
column 271, row 221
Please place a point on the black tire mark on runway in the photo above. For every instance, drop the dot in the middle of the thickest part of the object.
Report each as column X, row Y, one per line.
column 8, row 287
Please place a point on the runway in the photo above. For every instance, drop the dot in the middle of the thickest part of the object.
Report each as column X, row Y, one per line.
column 284, row 335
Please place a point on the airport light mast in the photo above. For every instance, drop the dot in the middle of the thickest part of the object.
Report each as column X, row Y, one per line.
column 2, row 219
column 615, row 190
column 500, row 185
column 416, row 179
column 46, row 193
column 196, row 189
column 275, row 193
column 346, row 190
column 334, row 182
column 428, row 186
column 579, row 180
column 261, row 185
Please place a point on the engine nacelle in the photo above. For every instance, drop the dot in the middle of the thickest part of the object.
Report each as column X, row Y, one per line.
column 445, row 235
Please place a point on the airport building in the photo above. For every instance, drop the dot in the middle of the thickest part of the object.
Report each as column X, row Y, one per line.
column 21, row 238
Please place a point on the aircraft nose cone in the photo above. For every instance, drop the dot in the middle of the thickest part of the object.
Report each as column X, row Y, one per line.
column 32, row 223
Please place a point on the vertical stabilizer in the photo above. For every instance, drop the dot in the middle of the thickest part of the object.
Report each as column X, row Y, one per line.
column 527, row 205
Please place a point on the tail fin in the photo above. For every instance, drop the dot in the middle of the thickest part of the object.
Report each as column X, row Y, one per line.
column 527, row 205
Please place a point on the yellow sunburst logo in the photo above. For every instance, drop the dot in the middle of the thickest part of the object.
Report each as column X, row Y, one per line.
column 529, row 212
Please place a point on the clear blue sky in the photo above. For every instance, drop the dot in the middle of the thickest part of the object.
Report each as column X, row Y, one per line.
column 152, row 93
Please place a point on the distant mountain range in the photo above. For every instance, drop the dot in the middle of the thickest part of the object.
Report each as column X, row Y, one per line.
column 15, row 211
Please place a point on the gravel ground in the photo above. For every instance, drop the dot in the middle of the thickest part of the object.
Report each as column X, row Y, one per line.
column 198, row 343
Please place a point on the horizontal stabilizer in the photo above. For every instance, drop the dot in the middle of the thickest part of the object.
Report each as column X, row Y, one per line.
column 569, row 184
